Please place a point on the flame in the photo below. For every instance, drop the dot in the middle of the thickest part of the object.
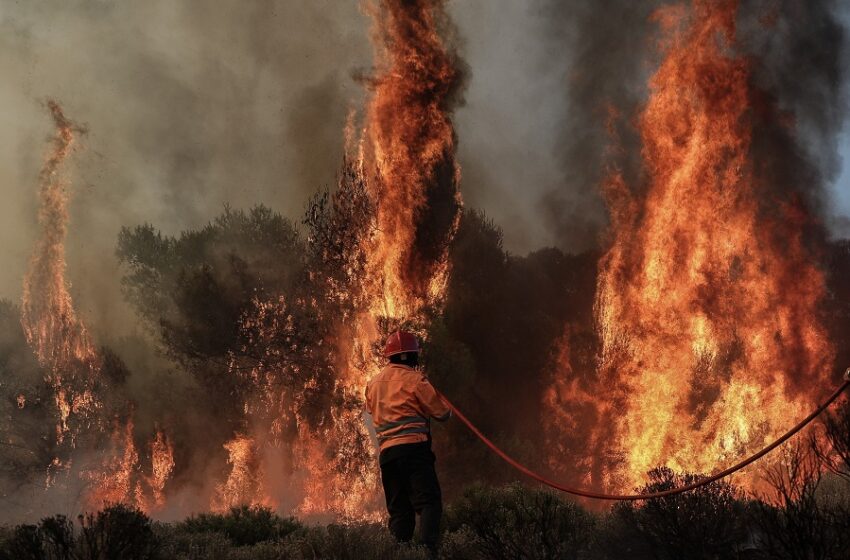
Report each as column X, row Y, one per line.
column 405, row 160
column 64, row 348
column 119, row 476
column 707, row 302
column 114, row 480
column 244, row 484
column 410, row 142
column 59, row 339
column 162, row 465
column 47, row 313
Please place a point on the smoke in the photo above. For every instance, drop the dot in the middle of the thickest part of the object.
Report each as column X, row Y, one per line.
column 801, row 72
column 592, row 60
column 189, row 109
column 607, row 50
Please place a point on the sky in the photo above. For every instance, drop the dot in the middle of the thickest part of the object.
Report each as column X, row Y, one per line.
column 189, row 109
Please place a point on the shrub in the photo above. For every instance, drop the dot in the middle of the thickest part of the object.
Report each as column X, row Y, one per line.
column 803, row 523
column 515, row 522
column 349, row 542
column 705, row 523
column 24, row 544
column 118, row 531
column 180, row 545
column 242, row 525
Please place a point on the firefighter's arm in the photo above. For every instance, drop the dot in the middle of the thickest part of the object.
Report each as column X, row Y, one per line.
column 431, row 402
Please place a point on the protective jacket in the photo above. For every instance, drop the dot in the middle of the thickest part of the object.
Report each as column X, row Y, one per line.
column 402, row 403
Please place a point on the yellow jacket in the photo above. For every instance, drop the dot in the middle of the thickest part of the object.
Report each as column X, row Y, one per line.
column 402, row 402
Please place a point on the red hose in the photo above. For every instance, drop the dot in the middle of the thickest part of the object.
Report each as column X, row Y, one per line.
column 673, row 491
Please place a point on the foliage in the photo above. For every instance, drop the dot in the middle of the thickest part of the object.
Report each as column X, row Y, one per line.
column 350, row 542
column 242, row 525
column 117, row 531
column 518, row 523
column 797, row 523
column 27, row 415
column 703, row 524
column 486, row 523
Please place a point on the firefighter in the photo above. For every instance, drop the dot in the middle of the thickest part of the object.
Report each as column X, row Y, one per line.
column 402, row 403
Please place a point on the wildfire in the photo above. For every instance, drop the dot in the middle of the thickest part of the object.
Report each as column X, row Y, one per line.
column 244, row 484
column 405, row 159
column 162, row 465
column 118, row 477
column 114, row 480
column 64, row 348
column 58, row 338
column 707, row 300
column 411, row 144
column 48, row 316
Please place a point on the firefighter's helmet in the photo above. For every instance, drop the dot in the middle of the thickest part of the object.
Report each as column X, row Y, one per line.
column 401, row 342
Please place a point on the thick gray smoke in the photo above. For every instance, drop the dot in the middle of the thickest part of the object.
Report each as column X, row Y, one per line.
column 607, row 50
column 189, row 108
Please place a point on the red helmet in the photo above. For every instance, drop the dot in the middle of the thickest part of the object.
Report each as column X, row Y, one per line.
column 400, row 342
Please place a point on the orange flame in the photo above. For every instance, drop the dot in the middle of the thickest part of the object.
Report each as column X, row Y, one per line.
column 114, row 480
column 63, row 346
column 707, row 304
column 244, row 484
column 162, row 465
column 119, row 477
column 411, row 144
column 48, row 318
column 58, row 338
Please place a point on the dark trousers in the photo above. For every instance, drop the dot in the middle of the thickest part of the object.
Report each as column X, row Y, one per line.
column 411, row 487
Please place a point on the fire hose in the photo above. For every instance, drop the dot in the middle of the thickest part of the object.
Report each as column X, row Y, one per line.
column 672, row 491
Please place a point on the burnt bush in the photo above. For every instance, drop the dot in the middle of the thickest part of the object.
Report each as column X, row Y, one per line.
column 242, row 525
column 515, row 522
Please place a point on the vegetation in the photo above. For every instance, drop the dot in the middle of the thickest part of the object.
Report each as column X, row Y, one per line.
column 804, row 516
column 202, row 295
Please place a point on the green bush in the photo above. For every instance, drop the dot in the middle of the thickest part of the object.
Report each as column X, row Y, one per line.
column 23, row 544
column 180, row 545
column 514, row 522
column 118, row 531
column 708, row 523
column 242, row 525
column 349, row 542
